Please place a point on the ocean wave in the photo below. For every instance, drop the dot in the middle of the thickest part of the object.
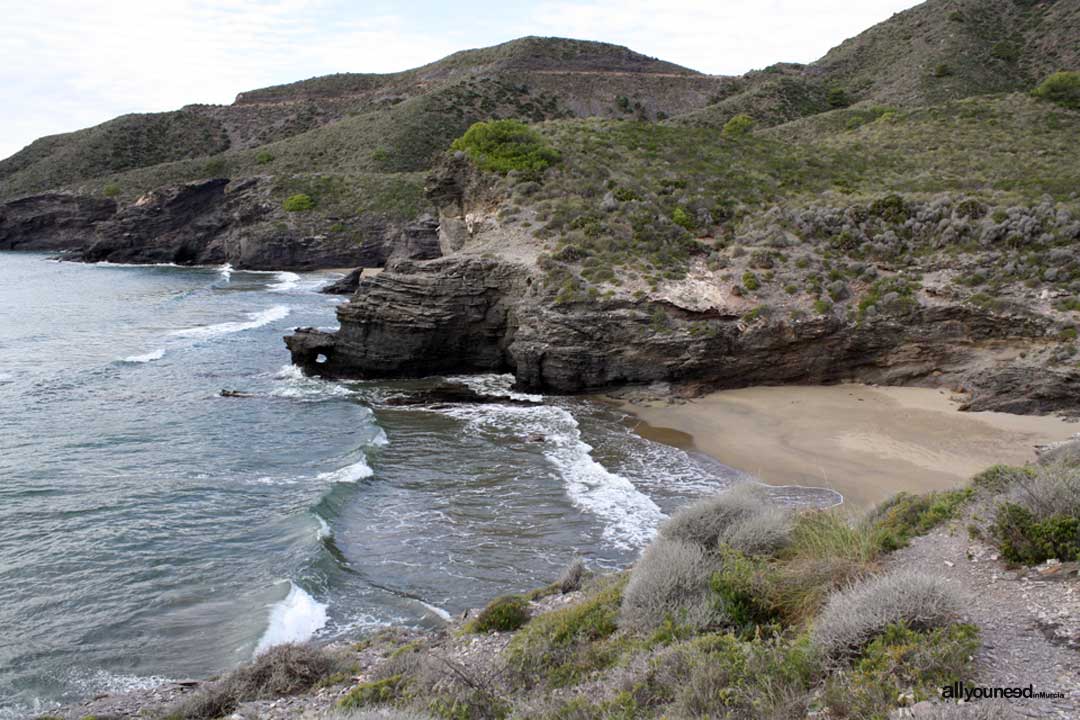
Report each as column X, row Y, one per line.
column 630, row 517
column 435, row 609
column 6, row 377
column 148, row 357
column 295, row 619
column 355, row 472
column 255, row 320
column 226, row 271
column 496, row 385
column 324, row 530
column 293, row 383
column 103, row 681
column 286, row 281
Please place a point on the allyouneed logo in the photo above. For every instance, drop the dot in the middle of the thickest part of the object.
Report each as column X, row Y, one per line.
column 960, row 691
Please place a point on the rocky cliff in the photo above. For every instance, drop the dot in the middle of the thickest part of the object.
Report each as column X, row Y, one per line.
column 53, row 221
column 574, row 289
column 208, row 222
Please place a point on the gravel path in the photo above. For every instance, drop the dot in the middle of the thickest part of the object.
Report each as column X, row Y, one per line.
column 1030, row 625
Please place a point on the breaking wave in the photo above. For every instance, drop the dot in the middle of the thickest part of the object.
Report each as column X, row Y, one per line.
column 286, row 281
column 295, row 619
column 255, row 320
column 148, row 357
column 355, row 472
column 629, row 516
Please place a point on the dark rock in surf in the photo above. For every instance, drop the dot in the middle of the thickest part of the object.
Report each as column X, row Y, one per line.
column 346, row 285
column 454, row 394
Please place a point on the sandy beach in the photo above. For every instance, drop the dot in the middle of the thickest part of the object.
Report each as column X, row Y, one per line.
column 867, row 443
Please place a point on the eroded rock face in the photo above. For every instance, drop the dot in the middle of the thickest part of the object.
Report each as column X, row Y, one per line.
column 54, row 221
column 205, row 223
column 420, row 318
column 469, row 314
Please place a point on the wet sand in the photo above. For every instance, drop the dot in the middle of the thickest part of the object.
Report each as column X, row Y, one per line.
column 867, row 443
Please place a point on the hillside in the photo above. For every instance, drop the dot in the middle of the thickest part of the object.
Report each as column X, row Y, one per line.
column 388, row 123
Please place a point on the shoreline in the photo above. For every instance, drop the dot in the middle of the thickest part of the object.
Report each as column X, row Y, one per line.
column 865, row 442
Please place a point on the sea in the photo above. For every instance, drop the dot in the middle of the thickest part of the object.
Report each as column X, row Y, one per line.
column 153, row 530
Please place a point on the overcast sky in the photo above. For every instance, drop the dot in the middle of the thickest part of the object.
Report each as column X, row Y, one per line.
column 68, row 64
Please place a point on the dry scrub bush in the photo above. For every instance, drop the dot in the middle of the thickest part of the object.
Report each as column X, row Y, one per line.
column 281, row 670
column 853, row 617
column 1051, row 490
column 981, row 710
column 571, row 577
column 671, row 581
column 744, row 517
column 384, row 713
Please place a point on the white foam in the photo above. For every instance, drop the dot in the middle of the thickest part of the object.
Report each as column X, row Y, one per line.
column 286, row 281
column 630, row 516
column 148, row 357
column 226, row 271
column 255, row 320
column 295, row 384
column 295, row 619
column 444, row 614
column 324, row 530
column 6, row 377
column 348, row 474
column 495, row 385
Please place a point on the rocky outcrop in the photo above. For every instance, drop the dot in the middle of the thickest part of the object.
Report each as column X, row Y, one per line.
column 472, row 314
column 346, row 285
column 54, row 221
column 420, row 318
column 217, row 221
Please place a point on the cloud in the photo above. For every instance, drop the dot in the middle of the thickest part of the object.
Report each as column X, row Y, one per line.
column 723, row 37
column 71, row 65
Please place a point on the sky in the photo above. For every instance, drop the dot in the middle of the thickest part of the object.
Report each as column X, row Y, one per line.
column 69, row 64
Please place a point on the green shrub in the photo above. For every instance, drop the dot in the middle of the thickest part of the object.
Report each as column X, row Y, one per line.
column 738, row 126
column 741, row 585
column 1062, row 88
column 376, row 692
column 750, row 281
column 503, row 614
column 1024, row 539
column 504, row 145
column 999, row 478
column 215, row 167
column 263, row 157
column 1007, row 51
column 905, row 516
column 720, row 676
column 942, row 70
column 111, row 190
column 837, row 97
column 827, row 552
column 298, row 203
column 561, row 646
column 682, row 218
column 901, row 661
